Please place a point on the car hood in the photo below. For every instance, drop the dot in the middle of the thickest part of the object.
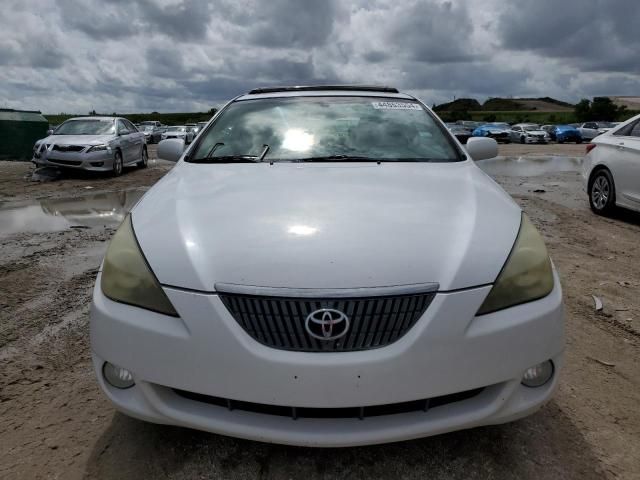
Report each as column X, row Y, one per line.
column 536, row 132
column 326, row 225
column 77, row 139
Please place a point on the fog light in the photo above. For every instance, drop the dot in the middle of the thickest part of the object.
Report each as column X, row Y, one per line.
column 117, row 376
column 538, row 375
column 97, row 164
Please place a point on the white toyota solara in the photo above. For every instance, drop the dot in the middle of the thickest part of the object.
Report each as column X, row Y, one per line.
column 327, row 266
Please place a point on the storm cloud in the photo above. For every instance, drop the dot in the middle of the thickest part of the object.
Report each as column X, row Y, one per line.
column 172, row 55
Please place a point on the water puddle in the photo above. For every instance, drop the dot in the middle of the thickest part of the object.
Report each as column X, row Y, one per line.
column 530, row 166
column 58, row 214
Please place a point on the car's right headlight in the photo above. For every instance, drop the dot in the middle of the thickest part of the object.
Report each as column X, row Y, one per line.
column 527, row 275
column 127, row 277
column 99, row 148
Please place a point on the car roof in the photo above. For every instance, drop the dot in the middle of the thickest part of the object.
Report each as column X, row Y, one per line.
column 325, row 90
column 94, row 118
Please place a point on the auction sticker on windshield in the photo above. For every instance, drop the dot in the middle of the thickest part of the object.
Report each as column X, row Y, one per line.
column 396, row 106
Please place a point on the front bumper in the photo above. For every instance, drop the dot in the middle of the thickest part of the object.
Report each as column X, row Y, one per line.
column 449, row 350
column 569, row 138
column 500, row 137
column 535, row 140
column 100, row 161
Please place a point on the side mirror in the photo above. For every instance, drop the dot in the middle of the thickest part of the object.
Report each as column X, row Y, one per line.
column 50, row 132
column 171, row 149
column 482, row 148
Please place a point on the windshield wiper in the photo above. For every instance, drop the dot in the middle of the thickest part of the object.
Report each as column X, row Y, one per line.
column 230, row 158
column 226, row 159
column 223, row 158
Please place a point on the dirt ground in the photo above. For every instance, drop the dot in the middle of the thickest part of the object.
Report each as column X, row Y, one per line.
column 55, row 423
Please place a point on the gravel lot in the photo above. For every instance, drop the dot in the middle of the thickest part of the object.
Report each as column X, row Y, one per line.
column 54, row 422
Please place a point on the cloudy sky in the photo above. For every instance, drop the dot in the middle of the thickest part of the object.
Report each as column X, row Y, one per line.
column 183, row 55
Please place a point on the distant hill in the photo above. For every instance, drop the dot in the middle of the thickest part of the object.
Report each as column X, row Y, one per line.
column 497, row 104
column 545, row 104
column 502, row 105
column 632, row 103
column 460, row 104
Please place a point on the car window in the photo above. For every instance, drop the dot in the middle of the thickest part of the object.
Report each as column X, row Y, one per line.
column 590, row 125
column 86, row 127
column 635, row 132
column 132, row 128
column 626, row 131
column 122, row 128
column 296, row 128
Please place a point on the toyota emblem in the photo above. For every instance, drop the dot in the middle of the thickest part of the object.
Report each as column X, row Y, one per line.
column 327, row 324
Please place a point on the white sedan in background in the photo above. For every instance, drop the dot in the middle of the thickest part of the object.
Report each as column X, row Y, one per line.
column 181, row 132
column 528, row 133
column 327, row 266
column 611, row 168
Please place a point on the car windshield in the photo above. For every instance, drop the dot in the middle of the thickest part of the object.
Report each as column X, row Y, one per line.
column 327, row 129
column 176, row 129
column 86, row 127
column 605, row 125
column 531, row 128
column 146, row 128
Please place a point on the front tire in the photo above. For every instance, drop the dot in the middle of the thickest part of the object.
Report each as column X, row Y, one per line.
column 144, row 158
column 117, row 164
column 602, row 193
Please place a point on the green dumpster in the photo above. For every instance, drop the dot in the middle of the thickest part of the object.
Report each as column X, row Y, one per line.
column 19, row 130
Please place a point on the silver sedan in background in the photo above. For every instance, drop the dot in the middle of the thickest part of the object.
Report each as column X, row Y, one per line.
column 102, row 144
column 152, row 133
column 181, row 132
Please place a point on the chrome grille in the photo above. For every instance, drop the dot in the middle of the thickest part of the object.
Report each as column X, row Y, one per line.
column 279, row 322
column 69, row 148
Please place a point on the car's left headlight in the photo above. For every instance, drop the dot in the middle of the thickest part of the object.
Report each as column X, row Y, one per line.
column 526, row 276
column 127, row 277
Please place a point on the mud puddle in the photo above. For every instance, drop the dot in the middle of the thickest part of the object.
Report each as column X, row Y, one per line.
column 58, row 214
column 531, row 166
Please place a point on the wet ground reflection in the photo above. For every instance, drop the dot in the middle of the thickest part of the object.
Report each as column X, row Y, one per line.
column 57, row 214
column 530, row 166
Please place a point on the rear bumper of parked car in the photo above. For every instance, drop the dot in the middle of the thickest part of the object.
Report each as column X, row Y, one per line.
column 201, row 371
column 101, row 161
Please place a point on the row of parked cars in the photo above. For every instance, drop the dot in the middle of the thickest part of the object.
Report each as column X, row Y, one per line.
column 154, row 131
column 529, row 132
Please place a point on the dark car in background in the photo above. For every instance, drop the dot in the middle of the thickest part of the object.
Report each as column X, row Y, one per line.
column 460, row 132
column 498, row 131
column 566, row 133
